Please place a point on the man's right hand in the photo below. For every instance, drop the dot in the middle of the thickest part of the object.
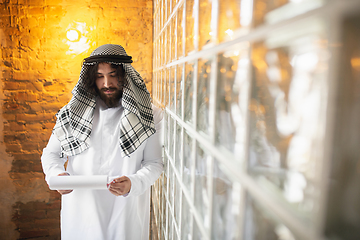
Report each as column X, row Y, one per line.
column 63, row 192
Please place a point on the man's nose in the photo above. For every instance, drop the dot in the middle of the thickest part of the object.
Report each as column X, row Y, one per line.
column 107, row 82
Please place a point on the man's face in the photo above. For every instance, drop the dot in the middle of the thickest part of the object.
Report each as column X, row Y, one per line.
column 109, row 84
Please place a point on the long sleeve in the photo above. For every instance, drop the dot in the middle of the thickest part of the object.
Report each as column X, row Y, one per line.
column 152, row 164
column 51, row 162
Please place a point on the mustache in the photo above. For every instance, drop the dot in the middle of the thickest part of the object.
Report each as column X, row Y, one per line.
column 110, row 88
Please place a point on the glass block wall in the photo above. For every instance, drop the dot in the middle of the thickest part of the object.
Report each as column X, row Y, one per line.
column 251, row 91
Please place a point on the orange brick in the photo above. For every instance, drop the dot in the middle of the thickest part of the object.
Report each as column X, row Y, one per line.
column 34, row 126
column 10, row 138
column 57, row 2
column 20, row 75
column 30, row 146
column 7, row 53
column 4, row 10
column 26, row 156
column 54, row 10
column 26, row 96
column 30, row 87
column 34, row 117
column 53, row 214
column 36, row 10
column 34, row 43
column 16, row 126
column 38, row 86
column 4, row 21
column 13, row 147
column 30, row 22
column 11, row 85
column 47, row 223
column 53, row 106
column 47, row 97
column 51, row 206
column 17, row 64
column 37, row 64
column 35, row 137
column 37, row 32
column 49, row 125
column 35, row 2
column 36, row 168
column 9, row 117
column 31, row 233
column 56, row 87
column 36, row 107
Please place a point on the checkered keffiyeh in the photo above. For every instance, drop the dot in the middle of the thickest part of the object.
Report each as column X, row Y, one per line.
column 74, row 120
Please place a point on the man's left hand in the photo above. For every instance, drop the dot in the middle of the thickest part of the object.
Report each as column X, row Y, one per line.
column 120, row 186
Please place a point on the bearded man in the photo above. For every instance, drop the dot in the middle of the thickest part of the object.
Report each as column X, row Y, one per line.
column 109, row 127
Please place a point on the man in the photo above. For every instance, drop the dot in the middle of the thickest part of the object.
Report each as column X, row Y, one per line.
column 109, row 127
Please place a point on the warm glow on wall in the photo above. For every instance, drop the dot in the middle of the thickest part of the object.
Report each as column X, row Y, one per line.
column 73, row 35
column 73, row 31
column 77, row 37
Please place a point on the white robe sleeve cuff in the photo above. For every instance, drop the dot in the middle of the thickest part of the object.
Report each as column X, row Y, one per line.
column 51, row 162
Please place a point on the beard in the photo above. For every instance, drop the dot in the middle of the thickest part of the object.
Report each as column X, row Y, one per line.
column 110, row 100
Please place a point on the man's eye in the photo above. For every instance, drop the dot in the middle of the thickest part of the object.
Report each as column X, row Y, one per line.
column 113, row 76
column 99, row 76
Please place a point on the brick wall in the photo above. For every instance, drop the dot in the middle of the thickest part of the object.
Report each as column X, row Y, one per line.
column 38, row 68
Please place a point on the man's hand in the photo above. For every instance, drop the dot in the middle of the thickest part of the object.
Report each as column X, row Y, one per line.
column 120, row 186
column 63, row 192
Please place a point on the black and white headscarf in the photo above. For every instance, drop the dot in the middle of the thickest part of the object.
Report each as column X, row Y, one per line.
column 74, row 121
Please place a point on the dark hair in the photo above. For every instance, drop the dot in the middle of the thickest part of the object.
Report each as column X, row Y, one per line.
column 91, row 74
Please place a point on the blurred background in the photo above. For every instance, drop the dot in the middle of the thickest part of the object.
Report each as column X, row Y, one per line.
column 261, row 101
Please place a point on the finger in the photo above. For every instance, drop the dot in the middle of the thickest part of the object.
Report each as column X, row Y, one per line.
column 63, row 192
column 118, row 187
column 117, row 183
column 63, row 174
column 114, row 192
column 121, row 179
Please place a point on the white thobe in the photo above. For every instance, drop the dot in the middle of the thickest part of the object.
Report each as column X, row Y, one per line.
column 98, row 214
